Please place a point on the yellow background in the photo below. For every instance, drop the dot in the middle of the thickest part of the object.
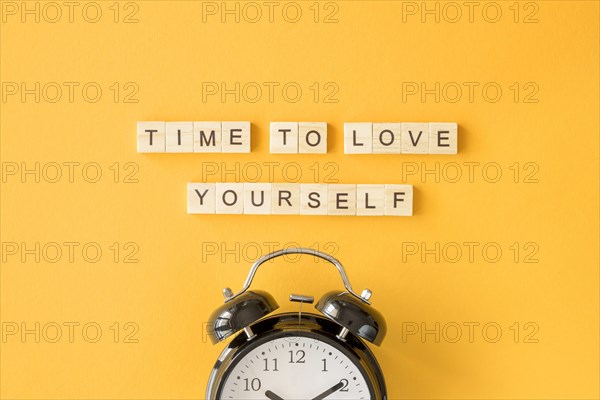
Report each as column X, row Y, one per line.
column 368, row 53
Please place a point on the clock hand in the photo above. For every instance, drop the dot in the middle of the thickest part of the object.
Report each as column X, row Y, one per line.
column 329, row 391
column 272, row 396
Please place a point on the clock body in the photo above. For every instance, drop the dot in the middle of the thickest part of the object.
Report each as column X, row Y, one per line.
column 296, row 356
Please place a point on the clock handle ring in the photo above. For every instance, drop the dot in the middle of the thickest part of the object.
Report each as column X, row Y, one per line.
column 298, row 250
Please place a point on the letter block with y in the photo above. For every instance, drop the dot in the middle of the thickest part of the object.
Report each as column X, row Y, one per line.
column 201, row 198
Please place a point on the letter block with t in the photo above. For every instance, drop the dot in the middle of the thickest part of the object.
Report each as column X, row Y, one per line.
column 151, row 137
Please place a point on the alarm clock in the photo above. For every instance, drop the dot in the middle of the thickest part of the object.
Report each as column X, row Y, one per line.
column 298, row 355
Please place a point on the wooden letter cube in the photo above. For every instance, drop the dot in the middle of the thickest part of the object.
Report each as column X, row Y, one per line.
column 370, row 199
column 398, row 200
column 415, row 138
column 313, row 199
column 207, row 137
column 180, row 137
column 230, row 198
column 358, row 138
column 257, row 198
column 151, row 137
column 235, row 137
column 341, row 199
column 443, row 138
column 312, row 137
column 201, row 198
column 386, row 138
column 285, row 198
column 284, row 137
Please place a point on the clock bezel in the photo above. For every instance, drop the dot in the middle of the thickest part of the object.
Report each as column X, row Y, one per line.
column 306, row 325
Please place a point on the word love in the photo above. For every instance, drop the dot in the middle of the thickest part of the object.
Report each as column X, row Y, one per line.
column 298, row 137
column 300, row 199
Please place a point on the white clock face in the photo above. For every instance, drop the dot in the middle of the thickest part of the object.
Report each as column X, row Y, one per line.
column 294, row 368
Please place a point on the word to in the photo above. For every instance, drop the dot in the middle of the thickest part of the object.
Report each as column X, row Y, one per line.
column 300, row 199
column 298, row 137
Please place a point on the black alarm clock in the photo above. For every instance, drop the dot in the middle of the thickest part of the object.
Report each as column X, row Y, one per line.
column 293, row 356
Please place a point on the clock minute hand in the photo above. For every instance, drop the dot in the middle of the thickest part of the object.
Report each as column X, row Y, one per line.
column 272, row 396
column 329, row 391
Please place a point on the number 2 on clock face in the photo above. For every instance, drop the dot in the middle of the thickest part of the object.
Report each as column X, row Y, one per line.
column 293, row 368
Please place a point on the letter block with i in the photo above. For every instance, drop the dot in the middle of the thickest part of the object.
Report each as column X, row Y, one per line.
column 180, row 137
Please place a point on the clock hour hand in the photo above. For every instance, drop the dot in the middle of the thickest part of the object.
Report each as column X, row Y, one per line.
column 272, row 396
column 329, row 391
